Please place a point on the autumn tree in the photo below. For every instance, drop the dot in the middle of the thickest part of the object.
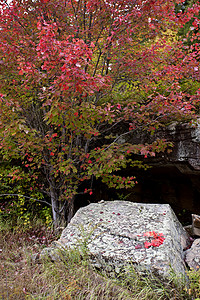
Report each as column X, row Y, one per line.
column 72, row 72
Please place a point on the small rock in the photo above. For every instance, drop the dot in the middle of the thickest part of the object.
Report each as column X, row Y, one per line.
column 192, row 255
column 189, row 229
column 196, row 225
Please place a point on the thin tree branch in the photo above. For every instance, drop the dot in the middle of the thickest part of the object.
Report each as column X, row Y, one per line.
column 117, row 138
column 19, row 195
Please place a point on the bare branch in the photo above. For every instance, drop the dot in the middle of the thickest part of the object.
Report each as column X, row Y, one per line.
column 19, row 195
column 117, row 138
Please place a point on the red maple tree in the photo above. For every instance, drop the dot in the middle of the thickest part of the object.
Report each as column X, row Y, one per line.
column 72, row 72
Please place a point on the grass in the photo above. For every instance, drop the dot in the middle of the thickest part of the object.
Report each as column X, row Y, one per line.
column 72, row 277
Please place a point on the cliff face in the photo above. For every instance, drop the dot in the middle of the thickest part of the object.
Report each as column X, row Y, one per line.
column 173, row 178
column 186, row 150
column 185, row 153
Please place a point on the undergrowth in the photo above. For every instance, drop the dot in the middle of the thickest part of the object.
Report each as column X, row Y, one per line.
column 72, row 277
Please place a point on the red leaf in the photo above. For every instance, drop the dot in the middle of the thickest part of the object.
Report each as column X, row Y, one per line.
column 147, row 244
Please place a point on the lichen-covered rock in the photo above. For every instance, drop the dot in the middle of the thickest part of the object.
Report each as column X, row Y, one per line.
column 113, row 235
column 192, row 255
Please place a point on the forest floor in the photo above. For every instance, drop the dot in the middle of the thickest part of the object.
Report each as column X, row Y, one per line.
column 72, row 277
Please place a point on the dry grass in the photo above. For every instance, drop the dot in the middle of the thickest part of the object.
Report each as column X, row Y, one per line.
column 71, row 278
column 16, row 268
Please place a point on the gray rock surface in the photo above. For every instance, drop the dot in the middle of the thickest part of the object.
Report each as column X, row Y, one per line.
column 192, row 255
column 113, row 234
column 185, row 153
column 196, row 224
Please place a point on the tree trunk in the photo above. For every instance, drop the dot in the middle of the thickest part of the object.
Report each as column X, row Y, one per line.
column 55, row 206
column 69, row 211
column 61, row 216
column 58, row 218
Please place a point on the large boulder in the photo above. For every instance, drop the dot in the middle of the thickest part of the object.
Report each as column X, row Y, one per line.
column 118, row 233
